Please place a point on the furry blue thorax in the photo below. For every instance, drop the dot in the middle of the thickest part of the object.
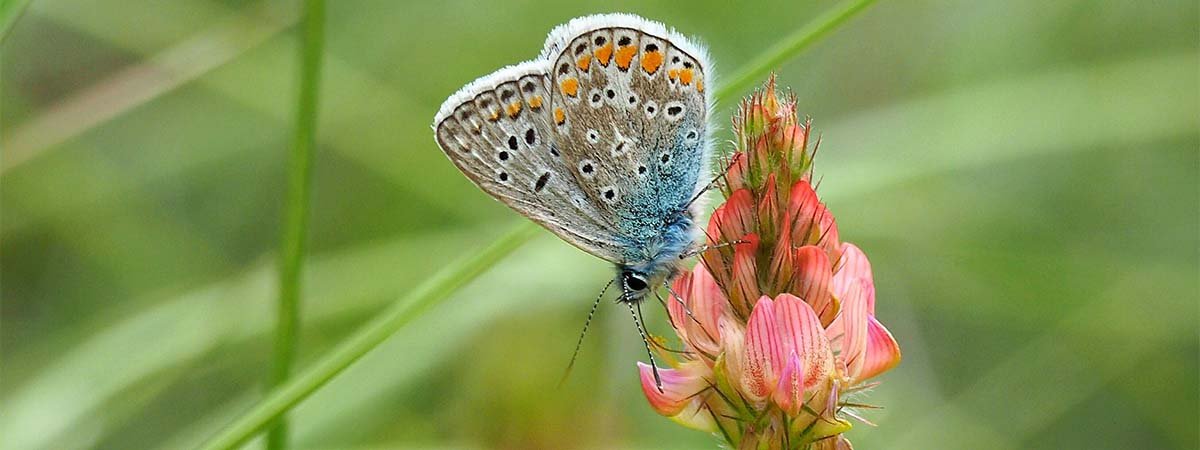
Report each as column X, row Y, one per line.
column 661, row 256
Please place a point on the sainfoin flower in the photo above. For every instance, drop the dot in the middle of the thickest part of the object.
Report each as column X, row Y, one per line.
column 778, row 323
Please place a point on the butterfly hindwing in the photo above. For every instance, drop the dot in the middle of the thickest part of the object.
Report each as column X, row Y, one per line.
column 498, row 132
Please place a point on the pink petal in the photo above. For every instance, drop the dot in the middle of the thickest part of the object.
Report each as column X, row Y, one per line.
column 704, row 299
column 730, row 221
column 696, row 415
column 679, row 386
column 789, row 394
column 811, row 222
column 675, row 306
column 783, row 265
column 801, row 332
column 812, row 282
column 849, row 330
column 883, row 353
column 733, row 219
column 707, row 303
column 829, row 239
column 745, row 271
column 854, row 266
column 734, row 347
column 736, row 175
column 764, row 351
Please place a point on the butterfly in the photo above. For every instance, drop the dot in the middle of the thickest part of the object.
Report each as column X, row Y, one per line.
column 601, row 139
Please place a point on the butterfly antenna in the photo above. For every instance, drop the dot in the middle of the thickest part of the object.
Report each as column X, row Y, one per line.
column 583, row 333
column 637, row 321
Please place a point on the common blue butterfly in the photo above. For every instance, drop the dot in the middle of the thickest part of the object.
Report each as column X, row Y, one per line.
column 601, row 139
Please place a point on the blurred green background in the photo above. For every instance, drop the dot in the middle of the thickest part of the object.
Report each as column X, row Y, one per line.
column 1024, row 175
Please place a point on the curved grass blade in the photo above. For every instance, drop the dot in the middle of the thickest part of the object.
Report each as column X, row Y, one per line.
column 758, row 68
column 10, row 12
column 427, row 294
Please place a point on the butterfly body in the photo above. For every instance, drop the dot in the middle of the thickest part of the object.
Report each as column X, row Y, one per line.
column 601, row 139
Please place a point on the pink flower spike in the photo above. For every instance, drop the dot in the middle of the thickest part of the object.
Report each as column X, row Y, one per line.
column 763, row 351
column 789, row 394
column 883, row 353
column 801, row 332
column 679, row 386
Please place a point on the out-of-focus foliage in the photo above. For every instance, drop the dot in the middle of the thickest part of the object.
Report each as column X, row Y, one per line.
column 1024, row 176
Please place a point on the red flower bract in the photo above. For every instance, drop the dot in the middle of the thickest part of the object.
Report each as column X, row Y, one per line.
column 778, row 323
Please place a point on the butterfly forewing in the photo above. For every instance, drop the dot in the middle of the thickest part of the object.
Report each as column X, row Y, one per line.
column 497, row 131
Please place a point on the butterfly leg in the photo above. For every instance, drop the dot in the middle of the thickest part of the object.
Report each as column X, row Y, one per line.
column 687, row 310
column 705, row 248
column 679, row 300
column 710, row 186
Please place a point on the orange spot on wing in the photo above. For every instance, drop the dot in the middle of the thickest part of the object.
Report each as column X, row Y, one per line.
column 535, row 102
column 685, row 76
column 625, row 56
column 673, row 73
column 584, row 62
column 700, row 85
column 559, row 116
column 570, row 86
column 651, row 61
column 603, row 54
column 514, row 108
column 495, row 115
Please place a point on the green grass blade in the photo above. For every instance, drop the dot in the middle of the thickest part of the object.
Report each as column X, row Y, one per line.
column 288, row 395
column 10, row 11
column 299, row 190
column 427, row 294
column 754, row 71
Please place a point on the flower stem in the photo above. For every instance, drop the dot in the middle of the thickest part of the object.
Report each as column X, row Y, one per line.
column 433, row 290
column 753, row 72
column 296, row 210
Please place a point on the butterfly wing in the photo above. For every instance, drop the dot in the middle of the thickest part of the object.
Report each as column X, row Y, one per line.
column 628, row 101
column 497, row 131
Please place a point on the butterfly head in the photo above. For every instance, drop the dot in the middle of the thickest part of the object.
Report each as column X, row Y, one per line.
column 635, row 285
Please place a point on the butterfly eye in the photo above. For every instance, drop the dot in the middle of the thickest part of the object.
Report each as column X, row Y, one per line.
column 634, row 282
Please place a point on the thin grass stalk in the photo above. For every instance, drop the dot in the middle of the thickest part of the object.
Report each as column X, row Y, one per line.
column 297, row 209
